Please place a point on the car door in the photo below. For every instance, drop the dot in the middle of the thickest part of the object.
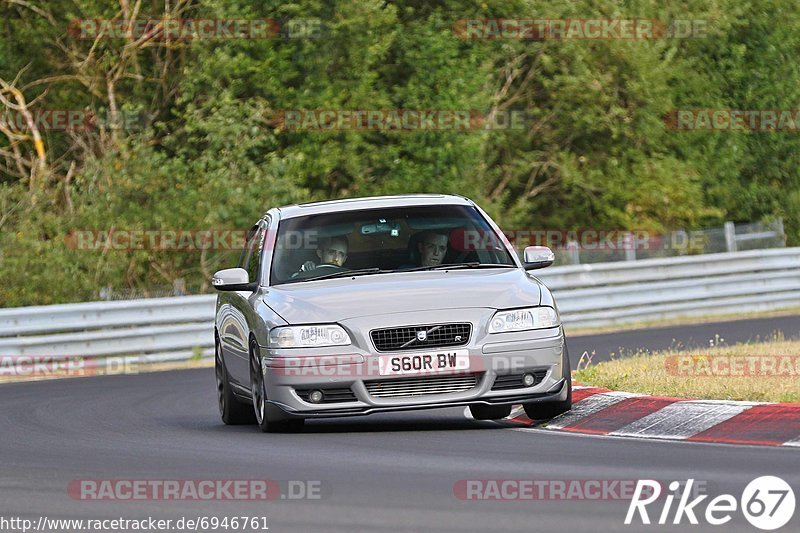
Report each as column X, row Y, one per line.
column 237, row 313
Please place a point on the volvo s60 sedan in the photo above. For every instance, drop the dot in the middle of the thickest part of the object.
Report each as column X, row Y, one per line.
column 367, row 305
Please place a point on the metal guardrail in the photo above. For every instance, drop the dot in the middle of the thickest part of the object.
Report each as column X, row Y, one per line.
column 607, row 294
column 163, row 329
column 587, row 247
column 178, row 328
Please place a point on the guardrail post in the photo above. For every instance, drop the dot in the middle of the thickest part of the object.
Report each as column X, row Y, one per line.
column 573, row 253
column 630, row 246
column 779, row 230
column 730, row 236
column 178, row 287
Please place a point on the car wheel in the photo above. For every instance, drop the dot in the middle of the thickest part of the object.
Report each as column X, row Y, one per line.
column 267, row 422
column 231, row 410
column 489, row 412
column 548, row 410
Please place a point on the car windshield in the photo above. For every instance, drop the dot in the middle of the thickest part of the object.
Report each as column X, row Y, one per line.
column 378, row 241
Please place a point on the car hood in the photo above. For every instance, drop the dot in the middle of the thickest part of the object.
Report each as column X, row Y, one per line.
column 340, row 299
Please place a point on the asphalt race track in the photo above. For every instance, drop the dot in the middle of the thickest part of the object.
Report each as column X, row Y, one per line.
column 392, row 472
column 682, row 337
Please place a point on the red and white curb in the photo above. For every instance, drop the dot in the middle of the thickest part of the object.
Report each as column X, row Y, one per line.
column 600, row 411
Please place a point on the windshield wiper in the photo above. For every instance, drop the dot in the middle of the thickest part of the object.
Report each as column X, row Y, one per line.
column 348, row 273
column 454, row 266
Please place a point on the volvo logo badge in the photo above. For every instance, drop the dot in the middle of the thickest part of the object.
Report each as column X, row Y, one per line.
column 422, row 335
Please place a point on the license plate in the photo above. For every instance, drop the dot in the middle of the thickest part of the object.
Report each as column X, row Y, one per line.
column 423, row 363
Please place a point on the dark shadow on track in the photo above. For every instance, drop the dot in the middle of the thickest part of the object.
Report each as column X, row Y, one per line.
column 367, row 424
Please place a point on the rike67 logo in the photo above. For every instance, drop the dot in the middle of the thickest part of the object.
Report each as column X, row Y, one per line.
column 767, row 503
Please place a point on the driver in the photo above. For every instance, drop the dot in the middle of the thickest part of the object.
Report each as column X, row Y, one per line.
column 331, row 251
column 432, row 248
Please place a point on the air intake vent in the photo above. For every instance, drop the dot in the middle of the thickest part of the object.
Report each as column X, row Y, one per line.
column 398, row 388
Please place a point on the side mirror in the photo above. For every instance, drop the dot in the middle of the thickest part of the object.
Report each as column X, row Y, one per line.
column 232, row 279
column 537, row 257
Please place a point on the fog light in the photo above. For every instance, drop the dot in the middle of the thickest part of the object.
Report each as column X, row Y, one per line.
column 528, row 379
column 315, row 396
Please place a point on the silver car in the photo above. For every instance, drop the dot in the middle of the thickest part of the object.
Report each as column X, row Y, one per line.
column 367, row 305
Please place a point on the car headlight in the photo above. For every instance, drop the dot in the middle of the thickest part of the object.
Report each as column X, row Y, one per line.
column 308, row 336
column 523, row 319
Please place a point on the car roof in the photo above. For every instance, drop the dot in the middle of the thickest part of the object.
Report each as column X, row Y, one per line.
column 371, row 202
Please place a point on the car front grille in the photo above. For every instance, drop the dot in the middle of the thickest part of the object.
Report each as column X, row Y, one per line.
column 514, row 381
column 407, row 338
column 398, row 388
column 329, row 395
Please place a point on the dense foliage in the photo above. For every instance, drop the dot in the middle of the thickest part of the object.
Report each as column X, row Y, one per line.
column 204, row 150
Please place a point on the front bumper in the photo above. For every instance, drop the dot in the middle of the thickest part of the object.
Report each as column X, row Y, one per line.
column 281, row 410
column 353, row 370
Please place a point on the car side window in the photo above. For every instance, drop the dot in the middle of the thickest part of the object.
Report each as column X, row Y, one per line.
column 251, row 255
column 247, row 242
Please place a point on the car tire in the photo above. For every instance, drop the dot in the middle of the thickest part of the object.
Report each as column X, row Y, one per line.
column 267, row 422
column 489, row 412
column 548, row 410
column 231, row 410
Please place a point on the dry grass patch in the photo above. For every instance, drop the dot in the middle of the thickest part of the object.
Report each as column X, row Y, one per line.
column 763, row 372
